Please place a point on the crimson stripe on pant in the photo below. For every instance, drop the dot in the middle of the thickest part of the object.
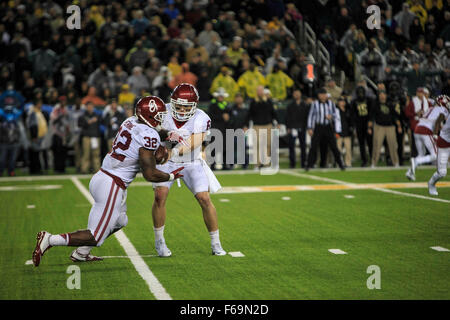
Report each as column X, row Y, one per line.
column 433, row 142
column 105, row 210
column 110, row 214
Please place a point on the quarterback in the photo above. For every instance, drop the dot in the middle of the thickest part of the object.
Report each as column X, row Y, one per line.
column 133, row 149
column 190, row 125
column 443, row 149
column 423, row 135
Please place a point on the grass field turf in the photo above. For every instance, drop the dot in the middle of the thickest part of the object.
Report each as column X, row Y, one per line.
column 285, row 243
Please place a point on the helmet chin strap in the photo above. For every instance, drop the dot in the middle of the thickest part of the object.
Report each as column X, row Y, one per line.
column 158, row 127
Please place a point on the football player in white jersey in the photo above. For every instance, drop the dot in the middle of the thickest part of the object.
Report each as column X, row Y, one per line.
column 443, row 148
column 423, row 136
column 133, row 149
column 191, row 125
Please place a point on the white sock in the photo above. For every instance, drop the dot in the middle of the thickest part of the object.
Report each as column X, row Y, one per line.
column 159, row 233
column 85, row 250
column 435, row 178
column 59, row 239
column 214, row 236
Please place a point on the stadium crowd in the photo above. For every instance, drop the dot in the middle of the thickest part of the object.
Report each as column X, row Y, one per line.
column 69, row 89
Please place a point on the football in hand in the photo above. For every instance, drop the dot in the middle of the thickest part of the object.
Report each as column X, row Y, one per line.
column 161, row 155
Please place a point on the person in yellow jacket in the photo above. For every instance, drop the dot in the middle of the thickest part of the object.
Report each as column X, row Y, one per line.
column 235, row 51
column 250, row 80
column 419, row 11
column 126, row 97
column 224, row 80
column 278, row 82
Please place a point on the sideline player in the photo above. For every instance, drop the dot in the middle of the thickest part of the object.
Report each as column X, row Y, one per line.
column 423, row 135
column 132, row 149
column 443, row 151
column 191, row 125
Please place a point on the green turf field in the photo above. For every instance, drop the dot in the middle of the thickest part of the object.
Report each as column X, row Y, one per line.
column 285, row 241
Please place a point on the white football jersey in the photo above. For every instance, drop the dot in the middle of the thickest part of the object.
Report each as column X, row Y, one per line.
column 445, row 131
column 123, row 160
column 199, row 123
column 430, row 117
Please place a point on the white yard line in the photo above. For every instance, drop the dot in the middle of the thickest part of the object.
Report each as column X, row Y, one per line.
column 30, row 187
column 141, row 267
column 405, row 194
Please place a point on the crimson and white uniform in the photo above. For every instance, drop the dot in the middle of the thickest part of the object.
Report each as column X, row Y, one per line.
column 423, row 134
column 443, row 145
column 197, row 176
column 119, row 168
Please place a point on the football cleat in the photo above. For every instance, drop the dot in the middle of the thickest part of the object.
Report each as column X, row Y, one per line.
column 432, row 189
column 78, row 257
column 42, row 245
column 217, row 249
column 162, row 249
column 410, row 175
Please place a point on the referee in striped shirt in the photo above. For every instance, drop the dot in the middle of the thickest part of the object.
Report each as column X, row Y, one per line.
column 324, row 122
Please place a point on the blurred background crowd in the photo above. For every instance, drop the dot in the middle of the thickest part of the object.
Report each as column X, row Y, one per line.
column 259, row 63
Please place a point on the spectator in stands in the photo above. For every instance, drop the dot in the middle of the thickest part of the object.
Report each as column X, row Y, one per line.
column 184, row 77
column 333, row 90
column 118, row 78
column 296, row 121
column 37, row 129
column 235, row 50
column 161, row 83
column 218, row 111
column 372, row 61
column 101, row 78
column 9, row 138
column 404, row 19
column 93, row 97
column 238, row 120
column 263, row 115
column 126, row 97
column 383, row 122
column 279, row 83
column 113, row 116
column 60, row 129
column 224, row 80
column 11, row 97
column 344, row 139
column 138, row 81
column 415, row 77
column 209, row 38
column 250, row 80
column 44, row 61
column 89, row 123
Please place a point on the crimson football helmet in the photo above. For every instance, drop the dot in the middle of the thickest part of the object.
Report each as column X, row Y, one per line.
column 443, row 101
column 151, row 110
column 184, row 100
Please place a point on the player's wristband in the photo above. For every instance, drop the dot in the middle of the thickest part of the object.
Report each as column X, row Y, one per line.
column 171, row 177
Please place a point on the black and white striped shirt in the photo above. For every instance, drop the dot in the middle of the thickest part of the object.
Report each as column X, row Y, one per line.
column 318, row 115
